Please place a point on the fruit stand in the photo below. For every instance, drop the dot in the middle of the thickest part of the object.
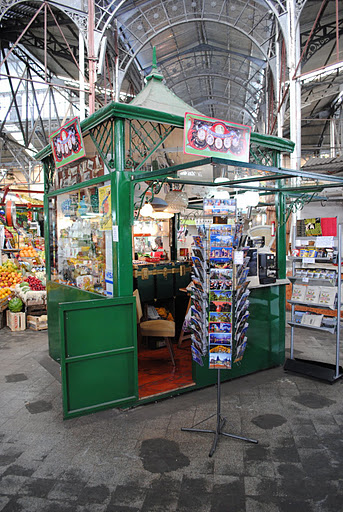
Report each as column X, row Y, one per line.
column 22, row 297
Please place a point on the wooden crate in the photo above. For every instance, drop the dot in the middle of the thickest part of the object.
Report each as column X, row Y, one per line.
column 37, row 323
column 16, row 321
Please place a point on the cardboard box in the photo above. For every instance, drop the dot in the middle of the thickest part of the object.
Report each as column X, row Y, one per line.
column 37, row 323
column 16, row 321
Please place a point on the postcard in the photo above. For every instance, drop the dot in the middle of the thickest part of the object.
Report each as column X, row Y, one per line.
column 224, row 327
column 198, row 253
column 220, row 307
column 196, row 355
column 221, row 338
column 221, row 273
column 216, row 284
column 220, row 263
column 220, row 317
column 220, row 360
column 221, row 295
column 198, row 241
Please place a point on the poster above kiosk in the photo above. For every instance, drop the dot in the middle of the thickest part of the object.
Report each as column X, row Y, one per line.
column 205, row 136
column 67, row 144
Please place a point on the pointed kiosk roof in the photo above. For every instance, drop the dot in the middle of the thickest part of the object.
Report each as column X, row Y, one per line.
column 157, row 96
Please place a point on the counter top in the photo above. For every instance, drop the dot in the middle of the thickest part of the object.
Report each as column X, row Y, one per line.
column 253, row 284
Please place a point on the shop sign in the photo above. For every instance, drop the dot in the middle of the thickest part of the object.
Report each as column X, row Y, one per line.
column 67, row 143
column 205, row 136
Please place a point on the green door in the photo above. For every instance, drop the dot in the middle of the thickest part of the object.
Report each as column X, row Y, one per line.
column 98, row 355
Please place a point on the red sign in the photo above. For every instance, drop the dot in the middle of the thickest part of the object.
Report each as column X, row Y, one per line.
column 67, row 143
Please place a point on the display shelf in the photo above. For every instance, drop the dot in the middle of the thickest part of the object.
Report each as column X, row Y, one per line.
column 312, row 305
column 313, row 282
column 317, row 260
column 322, row 371
column 302, row 326
column 317, row 369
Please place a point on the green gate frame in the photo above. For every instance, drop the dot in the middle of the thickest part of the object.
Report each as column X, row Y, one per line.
column 99, row 369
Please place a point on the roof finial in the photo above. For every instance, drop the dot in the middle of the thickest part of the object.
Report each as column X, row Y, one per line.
column 153, row 73
column 154, row 59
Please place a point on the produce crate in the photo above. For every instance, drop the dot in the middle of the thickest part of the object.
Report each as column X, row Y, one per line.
column 36, row 309
column 33, row 302
column 37, row 323
column 16, row 321
column 4, row 302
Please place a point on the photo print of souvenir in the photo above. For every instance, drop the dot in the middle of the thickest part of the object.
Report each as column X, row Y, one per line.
column 196, row 314
column 202, row 231
column 220, row 306
column 198, row 285
column 195, row 335
column 197, row 325
column 219, row 317
column 221, row 253
column 197, row 263
column 196, row 355
column 220, row 273
column 219, row 338
column 220, row 327
column 198, row 241
column 220, row 263
column 220, row 295
column 198, row 253
column 219, row 360
column 202, row 346
column 240, row 351
column 225, row 284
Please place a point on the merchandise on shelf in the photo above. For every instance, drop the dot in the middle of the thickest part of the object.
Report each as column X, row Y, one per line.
column 81, row 255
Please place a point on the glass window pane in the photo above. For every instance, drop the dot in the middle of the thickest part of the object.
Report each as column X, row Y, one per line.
column 81, row 239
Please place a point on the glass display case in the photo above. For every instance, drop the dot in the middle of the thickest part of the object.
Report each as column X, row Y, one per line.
column 81, row 239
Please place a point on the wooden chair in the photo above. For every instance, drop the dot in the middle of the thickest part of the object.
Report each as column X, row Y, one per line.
column 155, row 328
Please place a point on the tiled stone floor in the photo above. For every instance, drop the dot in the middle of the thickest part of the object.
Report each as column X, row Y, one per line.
column 140, row 460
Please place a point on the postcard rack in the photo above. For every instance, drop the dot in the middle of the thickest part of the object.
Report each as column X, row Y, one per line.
column 219, row 307
column 320, row 290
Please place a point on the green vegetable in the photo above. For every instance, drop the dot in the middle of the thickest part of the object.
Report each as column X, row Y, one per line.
column 15, row 305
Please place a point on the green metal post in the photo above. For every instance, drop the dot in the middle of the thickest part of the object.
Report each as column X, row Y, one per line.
column 122, row 216
column 281, row 234
column 47, row 225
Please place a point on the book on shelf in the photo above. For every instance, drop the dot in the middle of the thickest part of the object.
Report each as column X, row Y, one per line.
column 298, row 293
column 327, row 296
column 312, row 320
column 311, row 295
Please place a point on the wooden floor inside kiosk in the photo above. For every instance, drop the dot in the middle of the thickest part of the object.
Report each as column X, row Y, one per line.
column 156, row 373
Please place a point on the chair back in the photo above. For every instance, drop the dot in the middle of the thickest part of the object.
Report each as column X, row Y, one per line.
column 138, row 306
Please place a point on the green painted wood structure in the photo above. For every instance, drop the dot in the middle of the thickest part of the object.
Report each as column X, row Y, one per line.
column 93, row 336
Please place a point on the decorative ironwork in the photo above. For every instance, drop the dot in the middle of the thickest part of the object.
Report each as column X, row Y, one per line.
column 144, row 138
column 262, row 155
column 103, row 138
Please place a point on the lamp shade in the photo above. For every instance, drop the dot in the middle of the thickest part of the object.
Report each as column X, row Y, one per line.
column 146, row 210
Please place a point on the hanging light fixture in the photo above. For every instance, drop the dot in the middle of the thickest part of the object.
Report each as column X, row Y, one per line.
column 162, row 215
column 177, row 201
column 146, row 210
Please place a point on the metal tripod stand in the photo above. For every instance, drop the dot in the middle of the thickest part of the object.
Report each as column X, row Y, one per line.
column 220, row 425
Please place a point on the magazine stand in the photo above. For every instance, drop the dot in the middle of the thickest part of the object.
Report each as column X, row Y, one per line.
column 328, row 372
column 221, row 420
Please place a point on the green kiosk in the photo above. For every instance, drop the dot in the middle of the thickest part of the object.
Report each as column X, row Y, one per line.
column 125, row 151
